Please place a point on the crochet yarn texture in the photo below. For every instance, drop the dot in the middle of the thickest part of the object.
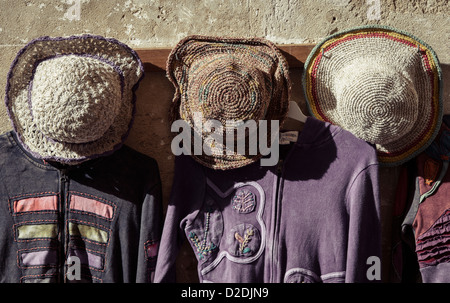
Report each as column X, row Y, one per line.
column 230, row 80
column 379, row 83
column 71, row 99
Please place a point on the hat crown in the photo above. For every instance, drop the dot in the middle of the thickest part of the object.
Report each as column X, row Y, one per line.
column 226, row 89
column 376, row 102
column 397, row 74
column 231, row 81
column 75, row 99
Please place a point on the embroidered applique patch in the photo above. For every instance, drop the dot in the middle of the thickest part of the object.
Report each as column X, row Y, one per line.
column 34, row 204
column 243, row 246
column 206, row 230
column 88, row 257
column 244, row 240
column 38, row 257
column 36, row 231
column 202, row 249
column 88, row 232
column 244, row 201
column 151, row 249
column 91, row 206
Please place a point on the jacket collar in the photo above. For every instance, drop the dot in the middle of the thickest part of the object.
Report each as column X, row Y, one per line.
column 30, row 156
column 316, row 133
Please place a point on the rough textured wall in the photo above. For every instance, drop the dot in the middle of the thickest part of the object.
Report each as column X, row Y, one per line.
column 162, row 23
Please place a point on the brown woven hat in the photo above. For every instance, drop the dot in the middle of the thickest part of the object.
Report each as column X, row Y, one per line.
column 228, row 79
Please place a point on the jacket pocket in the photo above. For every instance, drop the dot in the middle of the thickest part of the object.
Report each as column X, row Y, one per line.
column 301, row 275
column 206, row 230
column 244, row 231
column 243, row 240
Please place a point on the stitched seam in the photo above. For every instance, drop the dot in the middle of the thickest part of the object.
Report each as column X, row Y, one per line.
column 87, row 213
column 32, row 239
column 11, row 201
column 331, row 275
column 354, row 180
column 107, row 202
column 101, row 227
column 302, row 271
column 202, row 248
column 40, row 248
column 259, row 218
column 37, row 276
column 37, row 212
column 25, row 155
column 97, row 253
column 37, row 195
column 54, row 275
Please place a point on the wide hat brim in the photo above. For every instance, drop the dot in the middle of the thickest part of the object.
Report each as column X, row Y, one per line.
column 197, row 52
column 17, row 96
column 322, row 68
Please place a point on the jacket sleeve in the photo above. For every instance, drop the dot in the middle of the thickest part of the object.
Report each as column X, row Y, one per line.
column 364, row 237
column 186, row 197
column 150, row 229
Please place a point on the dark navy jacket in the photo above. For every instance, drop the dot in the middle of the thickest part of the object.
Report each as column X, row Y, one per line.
column 99, row 221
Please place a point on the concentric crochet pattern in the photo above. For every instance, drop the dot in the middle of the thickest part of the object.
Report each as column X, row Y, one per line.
column 381, row 84
column 232, row 81
column 71, row 99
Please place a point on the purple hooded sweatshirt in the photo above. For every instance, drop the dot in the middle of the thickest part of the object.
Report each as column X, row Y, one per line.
column 314, row 217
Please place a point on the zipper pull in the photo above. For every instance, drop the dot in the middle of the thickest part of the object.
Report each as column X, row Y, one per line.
column 63, row 175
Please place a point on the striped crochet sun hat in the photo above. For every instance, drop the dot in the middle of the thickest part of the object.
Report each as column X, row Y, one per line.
column 381, row 84
column 230, row 80
column 72, row 99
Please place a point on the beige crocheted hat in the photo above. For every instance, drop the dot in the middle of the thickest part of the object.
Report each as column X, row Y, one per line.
column 230, row 80
column 381, row 84
column 71, row 99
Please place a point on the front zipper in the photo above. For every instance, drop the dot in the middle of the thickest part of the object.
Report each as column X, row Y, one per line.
column 275, row 229
column 62, row 224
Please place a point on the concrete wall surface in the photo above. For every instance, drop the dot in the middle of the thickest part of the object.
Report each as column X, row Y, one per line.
column 162, row 23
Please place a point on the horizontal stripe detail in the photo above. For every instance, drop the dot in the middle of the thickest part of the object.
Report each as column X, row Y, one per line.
column 87, row 258
column 88, row 232
column 433, row 246
column 84, row 204
column 36, row 204
column 31, row 231
column 41, row 257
